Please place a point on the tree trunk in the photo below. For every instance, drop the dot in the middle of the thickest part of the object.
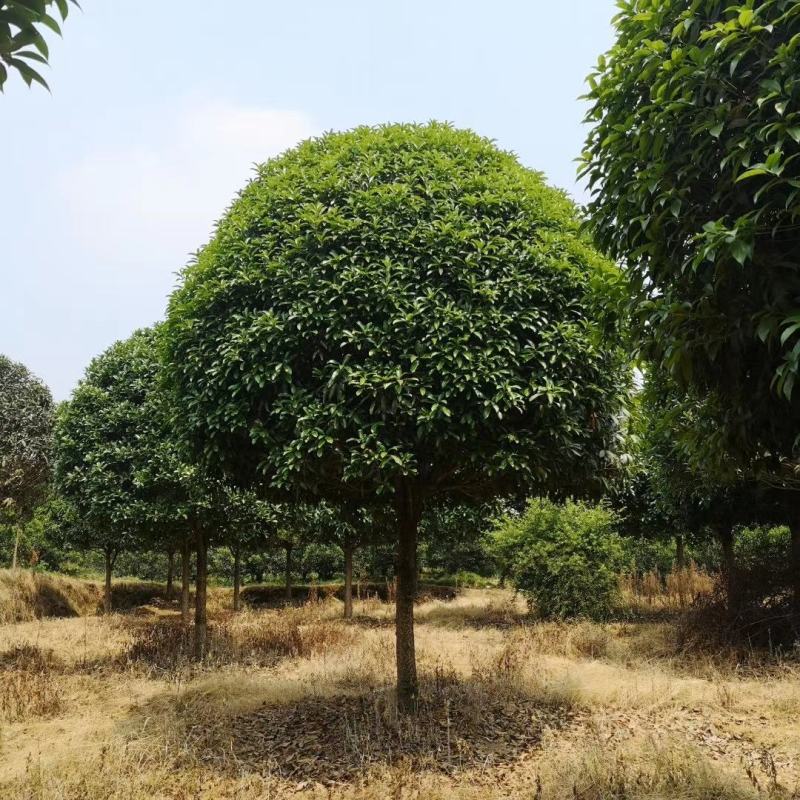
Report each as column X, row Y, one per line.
column 107, row 586
column 186, row 555
column 200, row 619
column 237, row 577
column 17, row 537
column 170, row 571
column 680, row 552
column 729, row 571
column 288, row 573
column 348, row 581
column 408, row 507
column 794, row 566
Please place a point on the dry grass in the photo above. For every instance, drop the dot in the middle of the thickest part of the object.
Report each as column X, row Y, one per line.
column 298, row 703
column 26, row 595
column 653, row 591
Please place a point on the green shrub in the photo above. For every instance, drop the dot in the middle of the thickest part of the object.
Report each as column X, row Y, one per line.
column 564, row 558
column 762, row 562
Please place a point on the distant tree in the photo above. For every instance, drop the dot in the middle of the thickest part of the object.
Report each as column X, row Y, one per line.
column 398, row 314
column 119, row 463
column 693, row 487
column 349, row 528
column 249, row 521
column 453, row 537
column 22, row 42
column 26, row 422
column 694, row 159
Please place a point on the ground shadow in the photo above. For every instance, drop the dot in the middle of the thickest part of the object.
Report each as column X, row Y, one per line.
column 459, row 725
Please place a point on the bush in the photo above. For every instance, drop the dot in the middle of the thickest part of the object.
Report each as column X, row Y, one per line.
column 565, row 557
column 762, row 562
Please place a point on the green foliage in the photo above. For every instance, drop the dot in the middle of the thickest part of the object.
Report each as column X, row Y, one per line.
column 22, row 42
column 470, row 580
column 453, row 538
column 110, row 443
column 397, row 302
column 26, row 421
column 694, row 155
column 642, row 555
column 761, row 545
column 119, row 464
column 565, row 558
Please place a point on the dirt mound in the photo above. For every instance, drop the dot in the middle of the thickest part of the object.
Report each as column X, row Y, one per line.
column 26, row 595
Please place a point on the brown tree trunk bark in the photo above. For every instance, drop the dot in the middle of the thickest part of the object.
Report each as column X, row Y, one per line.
column 107, row 586
column 186, row 554
column 200, row 619
column 15, row 554
column 170, row 572
column 348, row 581
column 408, row 508
column 729, row 571
column 794, row 566
column 237, row 578
column 680, row 552
column 288, row 573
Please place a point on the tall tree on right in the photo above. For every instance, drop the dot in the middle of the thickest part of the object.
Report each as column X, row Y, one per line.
column 694, row 161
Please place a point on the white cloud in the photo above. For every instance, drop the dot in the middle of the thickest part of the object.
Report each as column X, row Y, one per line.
column 154, row 202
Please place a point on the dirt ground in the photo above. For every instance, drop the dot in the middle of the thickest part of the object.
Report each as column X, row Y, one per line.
column 298, row 703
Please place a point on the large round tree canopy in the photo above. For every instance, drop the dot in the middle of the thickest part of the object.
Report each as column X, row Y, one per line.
column 26, row 419
column 400, row 301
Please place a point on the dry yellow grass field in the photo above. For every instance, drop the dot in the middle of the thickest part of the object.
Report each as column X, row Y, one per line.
column 297, row 703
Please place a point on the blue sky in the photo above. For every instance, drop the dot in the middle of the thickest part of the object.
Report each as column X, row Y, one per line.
column 158, row 110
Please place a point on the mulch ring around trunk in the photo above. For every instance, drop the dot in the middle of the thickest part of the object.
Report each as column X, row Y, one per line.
column 333, row 740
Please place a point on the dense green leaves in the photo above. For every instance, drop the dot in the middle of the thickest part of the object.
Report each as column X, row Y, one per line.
column 564, row 558
column 397, row 302
column 23, row 47
column 694, row 156
column 26, row 420
column 118, row 462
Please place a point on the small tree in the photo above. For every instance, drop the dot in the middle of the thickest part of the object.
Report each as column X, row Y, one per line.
column 119, row 463
column 565, row 558
column 26, row 422
column 397, row 314
column 247, row 525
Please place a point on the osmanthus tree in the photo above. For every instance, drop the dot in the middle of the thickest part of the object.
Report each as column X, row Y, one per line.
column 694, row 158
column 692, row 487
column 247, row 526
column 453, row 537
column 26, row 425
column 350, row 528
column 397, row 314
column 119, row 464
